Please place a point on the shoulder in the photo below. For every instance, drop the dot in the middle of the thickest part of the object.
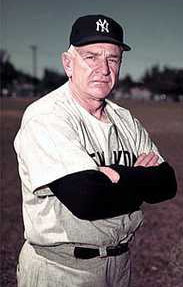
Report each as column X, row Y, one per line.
column 48, row 105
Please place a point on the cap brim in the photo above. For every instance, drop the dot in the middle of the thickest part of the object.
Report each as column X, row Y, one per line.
column 99, row 39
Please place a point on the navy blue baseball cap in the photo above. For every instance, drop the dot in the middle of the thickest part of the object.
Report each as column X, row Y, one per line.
column 92, row 29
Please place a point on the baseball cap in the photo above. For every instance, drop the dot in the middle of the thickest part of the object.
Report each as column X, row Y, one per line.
column 91, row 29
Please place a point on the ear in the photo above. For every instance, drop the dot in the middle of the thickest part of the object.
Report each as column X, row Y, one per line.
column 67, row 63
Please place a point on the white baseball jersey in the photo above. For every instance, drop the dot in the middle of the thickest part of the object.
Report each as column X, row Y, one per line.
column 59, row 137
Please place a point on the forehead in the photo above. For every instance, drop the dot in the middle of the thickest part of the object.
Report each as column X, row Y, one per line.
column 99, row 48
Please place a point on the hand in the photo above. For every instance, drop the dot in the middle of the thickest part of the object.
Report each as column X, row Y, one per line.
column 150, row 159
column 110, row 173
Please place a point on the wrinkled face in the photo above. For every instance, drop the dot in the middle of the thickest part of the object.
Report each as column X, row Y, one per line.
column 95, row 69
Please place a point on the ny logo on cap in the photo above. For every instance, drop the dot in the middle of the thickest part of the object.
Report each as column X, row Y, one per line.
column 103, row 25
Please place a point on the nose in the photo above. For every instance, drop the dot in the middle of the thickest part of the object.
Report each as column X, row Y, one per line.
column 104, row 67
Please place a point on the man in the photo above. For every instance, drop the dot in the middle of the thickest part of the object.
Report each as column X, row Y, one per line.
column 86, row 166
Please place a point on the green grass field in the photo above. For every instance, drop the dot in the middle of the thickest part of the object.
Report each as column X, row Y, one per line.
column 158, row 247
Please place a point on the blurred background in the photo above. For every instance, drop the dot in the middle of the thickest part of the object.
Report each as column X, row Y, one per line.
column 33, row 34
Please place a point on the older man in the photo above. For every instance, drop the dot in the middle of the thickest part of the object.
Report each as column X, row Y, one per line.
column 86, row 166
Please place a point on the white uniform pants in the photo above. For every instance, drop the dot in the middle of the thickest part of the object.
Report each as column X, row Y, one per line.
column 59, row 268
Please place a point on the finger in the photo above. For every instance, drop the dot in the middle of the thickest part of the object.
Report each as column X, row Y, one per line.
column 140, row 159
column 150, row 159
column 147, row 159
column 153, row 161
column 110, row 173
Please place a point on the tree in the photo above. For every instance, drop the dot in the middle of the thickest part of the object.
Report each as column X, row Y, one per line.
column 7, row 71
column 52, row 80
column 168, row 82
column 126, row 84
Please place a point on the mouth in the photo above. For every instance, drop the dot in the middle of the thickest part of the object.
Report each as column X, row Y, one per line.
column 100, row 82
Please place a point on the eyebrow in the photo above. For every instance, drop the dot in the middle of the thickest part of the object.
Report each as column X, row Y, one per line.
column 88, row 52
column 82, row 53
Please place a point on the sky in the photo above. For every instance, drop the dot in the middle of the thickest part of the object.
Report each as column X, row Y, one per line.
column 153, row 28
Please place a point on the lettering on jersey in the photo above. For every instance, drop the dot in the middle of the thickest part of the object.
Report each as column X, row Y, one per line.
column 118, row 157
column 100, row 157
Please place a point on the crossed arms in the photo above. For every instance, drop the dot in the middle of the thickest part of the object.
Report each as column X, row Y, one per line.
column 116, row 190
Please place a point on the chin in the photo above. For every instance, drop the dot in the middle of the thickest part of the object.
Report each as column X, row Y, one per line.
column 101, row 93
column 99, row 90
column 105, row 94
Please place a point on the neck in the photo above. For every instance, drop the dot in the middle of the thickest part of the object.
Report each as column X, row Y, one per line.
column 96, row 107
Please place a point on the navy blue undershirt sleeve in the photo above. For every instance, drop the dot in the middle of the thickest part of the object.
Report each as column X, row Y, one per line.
column 156, row 183
column 91, row 195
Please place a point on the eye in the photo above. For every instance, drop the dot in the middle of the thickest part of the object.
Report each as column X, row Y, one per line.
column 114, row 60
column 90, row 57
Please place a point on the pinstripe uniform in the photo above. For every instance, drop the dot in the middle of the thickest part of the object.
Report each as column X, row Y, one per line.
column 58, row 137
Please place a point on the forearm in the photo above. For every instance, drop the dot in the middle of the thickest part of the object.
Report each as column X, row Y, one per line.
column 91, row 195
column 155, row 183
